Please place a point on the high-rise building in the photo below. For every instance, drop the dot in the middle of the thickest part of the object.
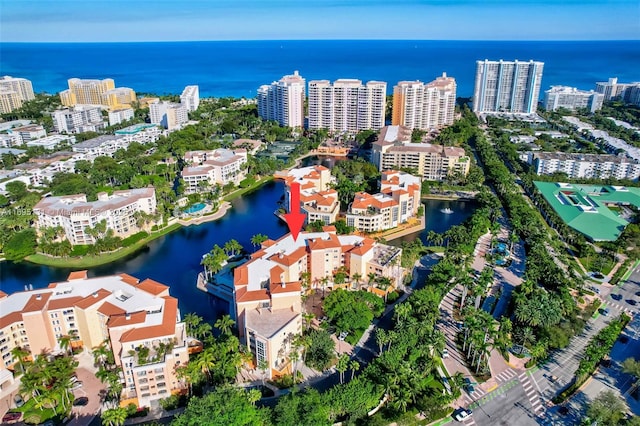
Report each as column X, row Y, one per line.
column 507, row 86
column 612, row 90
column 117, row 116
column 84, row 91
column 120, row 97
column 81, row 118
column 9, row 100
column 190, row 98
column 167, row 114
column 21, row 86
column 346, row 105
column 283, row 101
column 572, row 98
column 424, row 106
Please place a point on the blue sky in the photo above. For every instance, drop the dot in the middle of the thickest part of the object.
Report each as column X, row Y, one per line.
column 144, row 20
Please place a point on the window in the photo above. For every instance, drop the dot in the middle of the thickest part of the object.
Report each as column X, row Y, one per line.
column 261, row 354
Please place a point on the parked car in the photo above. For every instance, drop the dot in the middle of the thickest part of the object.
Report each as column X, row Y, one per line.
column 461, row 414
column 81, row 402
column 604, row 312
column 623, row 339
column 631, row 302
column 76, row 385
column 563, row 410
column 445, row 353
column 18, row 400
column 11, row 417
column 594, row 289
column 343, row 336
column 468, row 385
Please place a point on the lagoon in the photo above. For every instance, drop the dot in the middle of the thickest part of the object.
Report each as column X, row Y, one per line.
column 174, row 259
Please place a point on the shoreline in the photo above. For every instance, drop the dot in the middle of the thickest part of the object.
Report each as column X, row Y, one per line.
column 174, row 225
column 447, row 197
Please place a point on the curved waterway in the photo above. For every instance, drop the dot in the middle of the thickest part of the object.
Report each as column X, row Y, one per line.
column 174, row 259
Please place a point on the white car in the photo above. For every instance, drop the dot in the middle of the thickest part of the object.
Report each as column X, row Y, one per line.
column 76, row 385
column 343, row 336
column 461, row 414
column 445, row 353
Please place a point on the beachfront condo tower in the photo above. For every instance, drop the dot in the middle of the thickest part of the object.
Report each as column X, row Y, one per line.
column 507, row 86
column 347, row 105
column 424, row 106
column 283, row 101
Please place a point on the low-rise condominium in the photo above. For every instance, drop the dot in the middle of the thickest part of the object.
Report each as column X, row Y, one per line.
column 592, row 166
column 205, row 169
column 121, row 310
column 572, row 99
column 507, row 86
column 318, row 200
column 347, row 105
column 283, row 101
column 78, row 217
column 267, row 289
column 424, row 106
column 394, row 150
column 396, row 203
column 78, row 119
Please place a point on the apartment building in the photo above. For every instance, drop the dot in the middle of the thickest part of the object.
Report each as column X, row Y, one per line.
column 21, row 86
column 141, row 133
column 429, row 106
column 205, row 169
column 572, row 98
column 283, row 101
column 169, row 115
column 9, row 101
column 52, row 142
column 267, row 289
column 76, row 215
column 397, row 202
column 317, row 199
column 103, row 145
column 394, row 150
column 78, row 119
column 577, row 165
column 346, row 105
column 28, row 133
column 190, row 98
column 507, row 86
column 121, row 309
column 117, row 116
column 86, row 91
column 612, row 90
column 118, row 98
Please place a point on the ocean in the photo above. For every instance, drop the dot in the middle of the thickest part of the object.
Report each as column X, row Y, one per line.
column 239, row 68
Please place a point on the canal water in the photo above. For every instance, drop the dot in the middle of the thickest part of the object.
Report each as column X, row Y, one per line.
column 174, row 259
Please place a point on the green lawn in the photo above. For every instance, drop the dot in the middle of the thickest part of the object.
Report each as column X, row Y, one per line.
column 101, row 259
column 34, row 415
column 235, row 194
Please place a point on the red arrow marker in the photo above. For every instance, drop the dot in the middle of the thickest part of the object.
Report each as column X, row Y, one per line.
column 294, row 218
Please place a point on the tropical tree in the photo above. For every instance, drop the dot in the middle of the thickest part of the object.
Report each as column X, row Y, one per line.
column 354, row 366
column 225, row 324
column 263, row 366
column 342, row 366
column 213, row 261
column 606, row 409
column 258, row 239
column 192, row 321
column 19, row 354
column 206, row 362
column 65, row 343
column 356, row 278
column 114, row 416
column 381, row 339
column 232, row 247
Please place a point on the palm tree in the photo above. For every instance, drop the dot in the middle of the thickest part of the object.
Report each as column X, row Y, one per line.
column 258, row 239
column 232, row 247
column 254, row 395
column 307, row 317
column 372, row 277
column 402, row 312
column 206, row 362
column 354, row 366
column 192, row 321
column 381, row 339
column 263, row 366
column 357, row 277
column 458, row 380
column 342, row 366
column 203, row 330
column 65, row 342
column 225, row 324
column 114, row 417
column 19, row 354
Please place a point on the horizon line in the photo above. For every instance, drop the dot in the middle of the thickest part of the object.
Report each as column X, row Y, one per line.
column 325, row 40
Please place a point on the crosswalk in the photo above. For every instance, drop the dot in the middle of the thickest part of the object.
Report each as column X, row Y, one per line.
column 620, row 307
column 506, row 375
column 474, row 396
column 532, row 394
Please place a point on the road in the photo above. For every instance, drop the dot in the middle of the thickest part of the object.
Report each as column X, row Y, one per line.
column 540, row 388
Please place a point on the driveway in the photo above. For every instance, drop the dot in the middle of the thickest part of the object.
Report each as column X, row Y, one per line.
column 92, row 388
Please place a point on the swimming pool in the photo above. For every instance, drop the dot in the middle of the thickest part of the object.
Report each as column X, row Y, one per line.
column 195, row 208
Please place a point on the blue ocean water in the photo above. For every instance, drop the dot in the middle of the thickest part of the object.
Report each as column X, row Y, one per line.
column 239, row 68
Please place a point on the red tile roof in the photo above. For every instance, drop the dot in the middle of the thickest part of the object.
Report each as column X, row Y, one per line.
column 133, row 318
column 65, row 302
column 77, row 275
column 109, row 309
column 152, row 287
column 92, row 299
column 129, row 279
column 168, row 326
column 36, row 302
